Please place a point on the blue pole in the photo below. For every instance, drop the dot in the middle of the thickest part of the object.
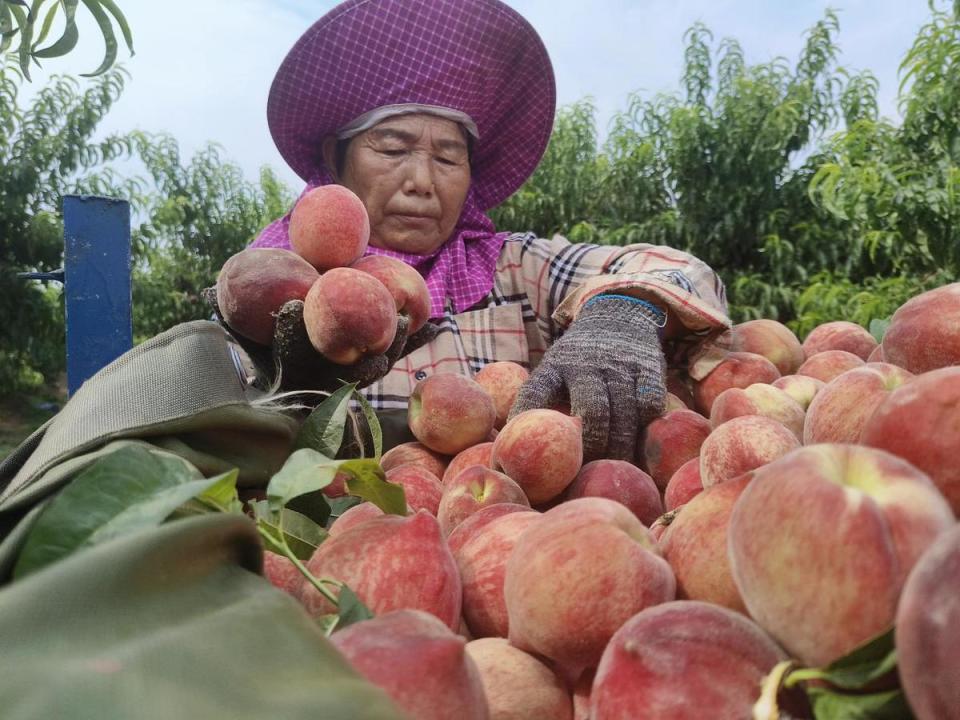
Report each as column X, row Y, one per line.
column 98, row 298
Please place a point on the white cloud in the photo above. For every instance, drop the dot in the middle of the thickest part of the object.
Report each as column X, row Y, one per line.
column 203, row 67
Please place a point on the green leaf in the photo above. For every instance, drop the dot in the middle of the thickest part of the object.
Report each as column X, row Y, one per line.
column 71, row 34
column 303, row 536
column 26, row 35
column 112, row 8
column 373, row 423
column 125, row 491
column 45, row 27
column 223, row 494
column 368, row 481
column 350, row 608
column 323, row 429
column 889, row 705
column 305, row 471
column 867, row 663
column 109, row 38
column 338, row 506
column 878, row 328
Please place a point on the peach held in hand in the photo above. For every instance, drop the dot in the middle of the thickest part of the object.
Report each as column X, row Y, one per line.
column 405, row 284
column 329, row 227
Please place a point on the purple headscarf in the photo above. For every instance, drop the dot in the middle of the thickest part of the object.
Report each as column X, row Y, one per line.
column 461, row 270
column 478, row 57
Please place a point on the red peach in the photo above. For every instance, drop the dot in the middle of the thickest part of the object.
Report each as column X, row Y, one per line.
column 926, row 631
column 482, row 561
column 354, row 516
column 417, row 453
column 839, row 335
column 587, row 564
column 255, row 283
column 758, row 399
column 502, row 380
column 390, row 562
column 421, row 487
column 473, row 489
column 827, row 364
column 474, row 455
column 670, row 441
column 683, row 660
column 621, row 481
column 463, row 532
column 839, row 411
column 419, row 662
column 924, row 332
column 405, row 284
column 517, row 685
column 737, row 369
column 450, row 412
column 877, row 355
column 802, row 388
column 821, row 541
column 684, row 485
column 743, row 444
column 695, row 545
column 349, row 315
column 282, row 573
column 920, row 422
column 329, row 227
column 772, row 339
column 542, row 451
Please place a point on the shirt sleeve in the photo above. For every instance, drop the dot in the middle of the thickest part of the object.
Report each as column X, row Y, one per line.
column 561, row 276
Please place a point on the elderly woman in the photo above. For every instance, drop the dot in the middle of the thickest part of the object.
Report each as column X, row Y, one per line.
column 433, row 112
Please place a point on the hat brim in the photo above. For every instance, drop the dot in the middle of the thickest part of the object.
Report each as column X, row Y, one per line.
column 479, row 57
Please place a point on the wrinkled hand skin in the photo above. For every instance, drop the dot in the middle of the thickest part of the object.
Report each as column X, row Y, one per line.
column 301, row 367
column 610, row 366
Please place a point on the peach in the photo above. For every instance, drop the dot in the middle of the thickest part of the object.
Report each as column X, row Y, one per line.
column 474, row 455
column 282, row 573
column 827, row 364
column 737, row 369
column 920, row 422
column 839, row 335
column 758, row 399
column 772, row 339
column 450, row 412
column 927, row 634
column 405, row 284
column 621, row 481
column 421, row 487
column 741, row 445
column 463, row 532
column 802, row 388
column 517, row 685
column 877, row 355
column 821, row 541
column 329, row 227
column 683, row 660
column 695, row 545
column 417, row 453
column 420, row 663
column 475, row 488
column 502, row 380
column 577, row 575
column 670, row 441
column 354, row 516
column 482, row 561
column 390, row 562
column 684, row 485
column 542, row 451
column 338, row 486
column 255, row 283
column 924, row 332
column 349, row 315
column 839, row 411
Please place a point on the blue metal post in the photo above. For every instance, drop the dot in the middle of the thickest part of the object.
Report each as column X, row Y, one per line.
column 96, row 248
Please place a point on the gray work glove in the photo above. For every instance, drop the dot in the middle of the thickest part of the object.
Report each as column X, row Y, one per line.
column 611, row 368
column 301, row 367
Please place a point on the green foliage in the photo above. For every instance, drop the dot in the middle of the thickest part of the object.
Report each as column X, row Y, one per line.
column 25, row 27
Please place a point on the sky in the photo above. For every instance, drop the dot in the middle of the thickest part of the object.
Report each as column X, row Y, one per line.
column 203, row 68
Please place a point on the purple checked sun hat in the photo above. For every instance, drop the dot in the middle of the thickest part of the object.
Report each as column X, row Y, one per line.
column 477, row 57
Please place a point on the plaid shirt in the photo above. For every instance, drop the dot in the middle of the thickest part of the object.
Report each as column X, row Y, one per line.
column 539, row 287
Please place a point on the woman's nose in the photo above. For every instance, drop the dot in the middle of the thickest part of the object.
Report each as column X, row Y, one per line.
column 419, row 180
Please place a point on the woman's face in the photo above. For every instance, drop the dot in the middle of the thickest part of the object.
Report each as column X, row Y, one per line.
column 412, row 173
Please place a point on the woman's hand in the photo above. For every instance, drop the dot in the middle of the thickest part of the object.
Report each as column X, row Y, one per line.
column 611, row 368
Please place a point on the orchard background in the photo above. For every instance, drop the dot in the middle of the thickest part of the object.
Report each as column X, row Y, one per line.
column 781, row 175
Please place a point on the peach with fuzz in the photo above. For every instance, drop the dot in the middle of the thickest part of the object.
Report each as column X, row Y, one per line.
column 802, row 388
column 758, row 399
column 924, row 332
column 473, row 489
column 670, row 441
column 743, row 444
column 502, row 380
column 417, row 453
column 772, row 339
column 738, row 369
column 405, row 284
column 827, row 364
column 839, row 335
column 420, row 486
column 329, row 227
column 684, row 485
column 621, row 481
column 450, row 412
